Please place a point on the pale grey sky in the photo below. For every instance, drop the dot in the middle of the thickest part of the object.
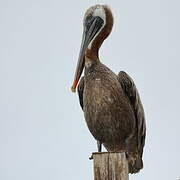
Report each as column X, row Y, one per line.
column 43, row 135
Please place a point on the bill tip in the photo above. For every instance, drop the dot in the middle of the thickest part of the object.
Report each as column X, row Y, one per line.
column 73, row 89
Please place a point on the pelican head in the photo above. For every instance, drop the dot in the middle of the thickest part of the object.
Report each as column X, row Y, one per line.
column 97, row 22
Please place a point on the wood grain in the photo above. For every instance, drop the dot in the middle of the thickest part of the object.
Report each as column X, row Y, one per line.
column 110, row 166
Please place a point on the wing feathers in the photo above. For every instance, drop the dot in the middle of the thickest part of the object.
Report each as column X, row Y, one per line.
column 131, row 92
column 80, row 91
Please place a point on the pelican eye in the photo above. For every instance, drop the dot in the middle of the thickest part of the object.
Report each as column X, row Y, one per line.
column 89, row 21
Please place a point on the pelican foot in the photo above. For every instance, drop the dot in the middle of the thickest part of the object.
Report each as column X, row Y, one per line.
column 91, row 157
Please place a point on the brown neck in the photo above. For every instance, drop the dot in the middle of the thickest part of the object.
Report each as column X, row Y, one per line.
column 93, row 52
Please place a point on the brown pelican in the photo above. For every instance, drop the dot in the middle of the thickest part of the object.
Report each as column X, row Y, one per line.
column 111, row 103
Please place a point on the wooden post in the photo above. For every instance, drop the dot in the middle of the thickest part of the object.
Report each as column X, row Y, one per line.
column 110, row 166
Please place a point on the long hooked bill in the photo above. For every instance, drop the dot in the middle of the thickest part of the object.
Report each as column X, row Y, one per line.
column 88, row 35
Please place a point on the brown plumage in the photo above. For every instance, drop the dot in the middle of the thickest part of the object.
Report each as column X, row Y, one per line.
column 111, row 103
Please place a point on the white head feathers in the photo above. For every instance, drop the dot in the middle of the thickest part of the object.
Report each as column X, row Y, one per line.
column 97, row 10
column 100, row 12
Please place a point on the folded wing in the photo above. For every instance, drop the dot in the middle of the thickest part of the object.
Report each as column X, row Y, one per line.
column 131, row 92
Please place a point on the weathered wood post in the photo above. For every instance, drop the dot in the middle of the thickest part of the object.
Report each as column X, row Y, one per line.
column 110, row 166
